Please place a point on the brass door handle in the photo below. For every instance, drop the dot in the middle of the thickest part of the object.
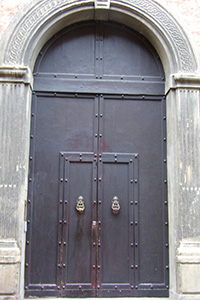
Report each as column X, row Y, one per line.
column 115, row 205
column 80, row 205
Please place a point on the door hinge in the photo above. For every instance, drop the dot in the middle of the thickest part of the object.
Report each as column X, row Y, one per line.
column 25, row 226
column 25, row 216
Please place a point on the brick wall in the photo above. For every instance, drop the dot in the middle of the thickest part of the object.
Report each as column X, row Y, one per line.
column 7, row 10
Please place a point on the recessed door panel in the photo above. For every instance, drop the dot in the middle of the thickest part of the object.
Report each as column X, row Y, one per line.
column 63, row 55
column 79, row 248
column 116, row 230
column 115, row 254
column 135, row 58
column 79, row 213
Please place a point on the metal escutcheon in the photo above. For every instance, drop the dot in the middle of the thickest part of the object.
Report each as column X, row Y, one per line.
column 115, row 205
column 80, row 205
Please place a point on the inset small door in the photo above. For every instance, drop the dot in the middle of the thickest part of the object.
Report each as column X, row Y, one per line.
column 97, row 223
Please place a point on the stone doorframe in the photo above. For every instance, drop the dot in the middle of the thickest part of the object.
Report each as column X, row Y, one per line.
column 36, row 23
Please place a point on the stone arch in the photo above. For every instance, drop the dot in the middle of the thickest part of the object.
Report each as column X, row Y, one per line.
column 148, row 17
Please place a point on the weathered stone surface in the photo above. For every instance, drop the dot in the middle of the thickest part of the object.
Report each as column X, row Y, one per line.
column 9, row 252
column 188, row 258
column 189, row 278
column 14, row 132
column 8, row 282
column 183, row 129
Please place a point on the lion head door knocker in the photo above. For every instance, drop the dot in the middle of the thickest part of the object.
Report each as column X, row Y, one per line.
column 115, row 205
column 80, row 205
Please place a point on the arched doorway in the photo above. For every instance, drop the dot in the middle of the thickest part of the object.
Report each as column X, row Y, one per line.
column 97, row 214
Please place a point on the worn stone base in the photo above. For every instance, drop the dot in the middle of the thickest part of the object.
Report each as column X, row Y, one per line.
column 188, row 261
column 188, row 297
column 9, row 269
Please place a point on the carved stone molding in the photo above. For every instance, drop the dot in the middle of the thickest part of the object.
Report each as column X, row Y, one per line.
column 102, row 4
column 9, row 252
column 15, row 75
column 169, row 27
column 184, row 80
column 189, row 253
column 33, row 19
column 150, row 11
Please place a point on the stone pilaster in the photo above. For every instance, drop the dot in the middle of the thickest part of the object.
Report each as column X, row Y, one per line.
column 15, row 94
column 183, row 147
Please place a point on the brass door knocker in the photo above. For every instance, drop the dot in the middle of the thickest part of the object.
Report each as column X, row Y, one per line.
column 80, row 205
column 115, row 205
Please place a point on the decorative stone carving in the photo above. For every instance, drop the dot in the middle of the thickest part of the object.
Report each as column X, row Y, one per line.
column 184, row 81
column 172, row 29
column 15, row 75
column 150, row 10
column 31, row 20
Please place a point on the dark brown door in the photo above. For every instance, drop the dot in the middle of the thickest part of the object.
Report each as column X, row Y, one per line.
column 97, row 206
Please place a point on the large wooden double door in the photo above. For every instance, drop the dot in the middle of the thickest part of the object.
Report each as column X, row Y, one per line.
column 97, row 206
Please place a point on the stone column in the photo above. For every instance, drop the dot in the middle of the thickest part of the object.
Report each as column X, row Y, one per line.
column 183, row 147
column 15, row 96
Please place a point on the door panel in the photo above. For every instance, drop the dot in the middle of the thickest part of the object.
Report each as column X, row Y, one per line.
column 135, row 124
column 64, row 55
column 115, row 254
column 58, row 127
column 100, row 50
column 116, row 231
column 79, row 252
column 78, row 255
column 53, row 130
column 135, row 58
